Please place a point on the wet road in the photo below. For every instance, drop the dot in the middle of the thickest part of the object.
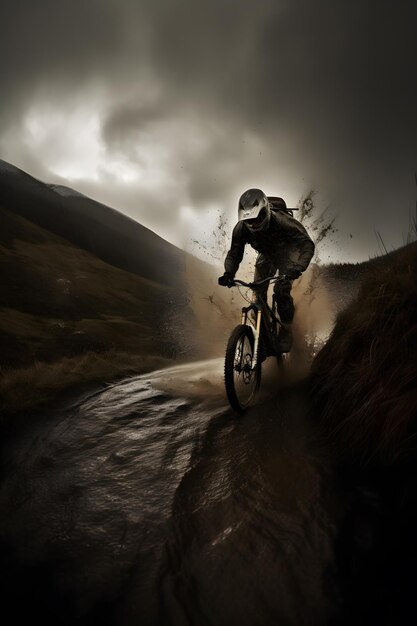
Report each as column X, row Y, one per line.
column 151, row 502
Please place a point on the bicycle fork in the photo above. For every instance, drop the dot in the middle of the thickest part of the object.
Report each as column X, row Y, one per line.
column 256, row 330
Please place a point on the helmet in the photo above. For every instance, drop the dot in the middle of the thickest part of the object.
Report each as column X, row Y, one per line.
column 254, row 210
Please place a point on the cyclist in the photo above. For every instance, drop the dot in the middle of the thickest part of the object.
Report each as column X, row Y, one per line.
column 282, row 244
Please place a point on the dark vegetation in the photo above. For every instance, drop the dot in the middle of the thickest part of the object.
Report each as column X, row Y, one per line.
column 67, row 317
column 370, row 362
column 90, row 225
column 364, row 401
column 87, row 294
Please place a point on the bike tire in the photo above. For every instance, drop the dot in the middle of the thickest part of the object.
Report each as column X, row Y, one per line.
column 235, row 381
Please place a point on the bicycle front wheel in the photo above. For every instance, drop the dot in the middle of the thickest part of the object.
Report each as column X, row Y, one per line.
column 241, row 379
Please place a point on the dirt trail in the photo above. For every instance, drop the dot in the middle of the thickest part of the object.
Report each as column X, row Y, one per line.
column 151, row 502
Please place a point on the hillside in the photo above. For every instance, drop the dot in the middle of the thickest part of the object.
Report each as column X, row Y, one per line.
column 90, row 225
column 46, row 278
column 88, row 294
column 68, row 318
column 61, row 306
column 369, row 361
column 91, row 289
column 363, row 406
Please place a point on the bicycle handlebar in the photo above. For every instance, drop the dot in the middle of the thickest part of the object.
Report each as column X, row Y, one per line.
column 257, row 283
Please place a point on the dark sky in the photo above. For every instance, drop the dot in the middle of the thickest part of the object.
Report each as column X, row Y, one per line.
column 169, row 109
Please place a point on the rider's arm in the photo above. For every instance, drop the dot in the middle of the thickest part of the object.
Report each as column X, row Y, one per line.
column 237, row 248
column 305, row 246
column 301, row 243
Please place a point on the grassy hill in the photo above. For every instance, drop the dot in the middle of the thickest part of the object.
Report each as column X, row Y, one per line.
column 363, row 406
column 89, row 295
column 364, row 391
column 90, row 225
column 68, row 317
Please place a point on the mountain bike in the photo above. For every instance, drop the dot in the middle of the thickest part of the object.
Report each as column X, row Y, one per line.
column 250, row 343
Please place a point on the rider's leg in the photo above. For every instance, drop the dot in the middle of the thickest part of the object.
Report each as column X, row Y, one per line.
column 264, row 267
column 286, row 309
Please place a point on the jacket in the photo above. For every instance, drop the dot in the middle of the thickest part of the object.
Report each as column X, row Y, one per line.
column 285, row 242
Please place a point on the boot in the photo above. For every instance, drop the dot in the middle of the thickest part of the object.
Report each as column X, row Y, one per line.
column 285, row 338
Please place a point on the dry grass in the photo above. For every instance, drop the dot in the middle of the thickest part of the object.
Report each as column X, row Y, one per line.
column 32, row 386
column 365, row 378
column 68, row 319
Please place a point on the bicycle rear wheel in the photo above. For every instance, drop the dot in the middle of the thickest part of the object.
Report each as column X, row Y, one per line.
column 241, row 380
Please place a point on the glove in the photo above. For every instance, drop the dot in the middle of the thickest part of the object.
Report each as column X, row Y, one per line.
column 293, row 273
column 226, row 280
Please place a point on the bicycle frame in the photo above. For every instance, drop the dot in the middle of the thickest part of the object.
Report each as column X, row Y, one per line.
column 263, row 311
column 249, row 344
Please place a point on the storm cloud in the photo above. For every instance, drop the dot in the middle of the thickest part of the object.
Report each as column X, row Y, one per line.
column 169, row 110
